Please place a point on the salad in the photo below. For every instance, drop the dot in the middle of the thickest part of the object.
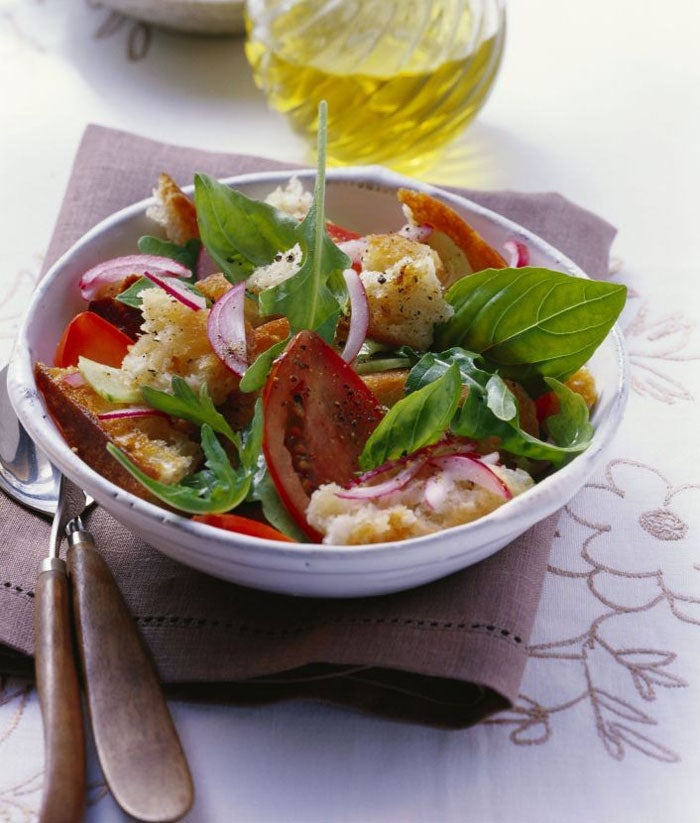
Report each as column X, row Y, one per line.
column 264, row 370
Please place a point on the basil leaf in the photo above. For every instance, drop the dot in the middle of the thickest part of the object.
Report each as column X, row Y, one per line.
column 185, row 404
column 415, row 421
column 531, row 322
column 239, row 233
column 216, row 488
column 313, row 297
column 570, row 426
column 187, row 254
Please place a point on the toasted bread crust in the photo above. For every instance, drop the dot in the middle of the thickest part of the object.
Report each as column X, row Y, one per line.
column 75, row 409
column 387, row 386
column 426, row 210
column 175, row 211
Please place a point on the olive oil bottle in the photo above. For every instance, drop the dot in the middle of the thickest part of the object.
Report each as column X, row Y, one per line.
column 401, row 77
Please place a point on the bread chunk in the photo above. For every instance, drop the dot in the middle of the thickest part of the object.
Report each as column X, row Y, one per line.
column 291, row 199
column 344, row 521
column 404, row 292
column 174, row 342
column 174, row 211
column 387, row 386
column 159, row 448
column 462, row 248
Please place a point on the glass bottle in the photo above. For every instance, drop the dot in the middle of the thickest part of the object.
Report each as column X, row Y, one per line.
column 401, row 77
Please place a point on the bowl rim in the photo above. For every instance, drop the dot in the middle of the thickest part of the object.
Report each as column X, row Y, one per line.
column 28, row 403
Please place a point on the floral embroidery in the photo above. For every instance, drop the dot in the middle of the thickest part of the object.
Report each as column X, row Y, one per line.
column 638, row 558
column 653, row 344
column 20, row 797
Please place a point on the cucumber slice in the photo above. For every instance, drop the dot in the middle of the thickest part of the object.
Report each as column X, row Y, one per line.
column 112, row 384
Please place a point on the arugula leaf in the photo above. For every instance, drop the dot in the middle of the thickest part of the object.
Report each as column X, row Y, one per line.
column 184, row 403
column 216, row 488
column 274, row 510
column 239, row 233
column 251, row 439
column 313, row 297
column 256, row 374
column 531, row 322
column 262, row 488
column 433, row 365
column 417, row 420
column 382, row 364
column 570, row 426
column 377, row 357
column 500, row 399
column 132, row 295
column 187, row 254
column 492, row 411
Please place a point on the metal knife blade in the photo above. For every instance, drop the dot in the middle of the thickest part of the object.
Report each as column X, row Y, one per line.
column 71, row 504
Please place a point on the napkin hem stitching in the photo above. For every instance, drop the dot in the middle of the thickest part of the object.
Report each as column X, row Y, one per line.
column 162, row 621
column 13, row 588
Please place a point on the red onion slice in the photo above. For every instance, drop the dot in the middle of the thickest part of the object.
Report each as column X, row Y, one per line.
column 450, row 444
column 74, row 379
column 359, row 315
column 206, row 264
column 355, row 250
column 468, row 468
column 436, row 491
column 390, row 486
column 131, row 412
column 518, row 252
column 175, row 289
column 226, row 329
column 96, row 281
column 412, row 464
column 417, row 233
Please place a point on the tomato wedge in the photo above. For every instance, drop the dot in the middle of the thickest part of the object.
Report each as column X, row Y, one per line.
column 338, row 234
column 89, row 335
column 546, row 405
column 242, row 525
column 318, row 414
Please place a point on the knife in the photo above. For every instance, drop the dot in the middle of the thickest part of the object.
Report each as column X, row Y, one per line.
column 136, row 741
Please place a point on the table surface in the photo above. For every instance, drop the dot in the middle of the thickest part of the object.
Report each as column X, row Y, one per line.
column 600, row 102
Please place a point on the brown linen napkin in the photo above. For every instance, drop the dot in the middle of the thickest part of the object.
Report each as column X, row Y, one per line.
column 448, row 653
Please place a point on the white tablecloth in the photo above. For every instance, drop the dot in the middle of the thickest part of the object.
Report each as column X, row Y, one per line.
column 599, row 101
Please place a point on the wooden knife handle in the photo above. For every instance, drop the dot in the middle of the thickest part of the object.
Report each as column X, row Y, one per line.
column 63, row 795
column 136, row 741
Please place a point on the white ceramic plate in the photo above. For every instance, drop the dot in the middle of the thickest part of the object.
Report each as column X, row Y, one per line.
column 363, row 199
column 196, row 16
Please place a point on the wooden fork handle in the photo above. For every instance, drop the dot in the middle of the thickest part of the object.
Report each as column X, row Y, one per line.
column 136, row 741
column 63, row 794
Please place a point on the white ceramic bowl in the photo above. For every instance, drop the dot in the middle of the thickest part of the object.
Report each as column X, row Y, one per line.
column 192, row 16
column 364, row 199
